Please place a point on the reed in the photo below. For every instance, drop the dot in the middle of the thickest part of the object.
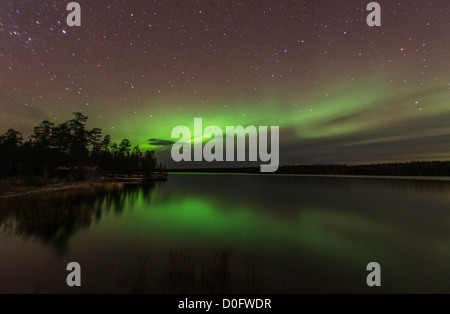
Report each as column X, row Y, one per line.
column 188, row 272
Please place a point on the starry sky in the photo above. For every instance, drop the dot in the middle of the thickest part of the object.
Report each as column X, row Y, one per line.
column 341, row 91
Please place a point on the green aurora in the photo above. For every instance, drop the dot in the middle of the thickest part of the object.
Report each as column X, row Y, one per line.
column 340, row 91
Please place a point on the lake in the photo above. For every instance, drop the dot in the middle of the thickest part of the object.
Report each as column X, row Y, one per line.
column 210, row 233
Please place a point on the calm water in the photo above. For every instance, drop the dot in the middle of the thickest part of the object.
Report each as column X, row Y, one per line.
column 232, row 233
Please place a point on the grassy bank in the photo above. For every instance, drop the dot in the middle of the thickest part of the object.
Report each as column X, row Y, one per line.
column 15, row 187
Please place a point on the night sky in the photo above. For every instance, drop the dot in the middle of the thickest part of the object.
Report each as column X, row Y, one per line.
column 341, row 91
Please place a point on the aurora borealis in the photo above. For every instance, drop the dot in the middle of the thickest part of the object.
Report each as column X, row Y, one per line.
column 340, row 91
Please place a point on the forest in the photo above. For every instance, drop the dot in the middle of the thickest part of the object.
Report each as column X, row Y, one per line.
column 412, row 168
column 76, row 149
column 70, row 145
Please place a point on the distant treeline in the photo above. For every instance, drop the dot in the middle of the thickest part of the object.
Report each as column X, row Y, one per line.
column 418, row 168
column 69, row 145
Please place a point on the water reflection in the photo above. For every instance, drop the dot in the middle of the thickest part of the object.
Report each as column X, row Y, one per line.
column 55, row 217
column 281, row 234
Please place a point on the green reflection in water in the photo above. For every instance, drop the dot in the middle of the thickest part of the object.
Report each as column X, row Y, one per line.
column 201, row 221
column 301, row 231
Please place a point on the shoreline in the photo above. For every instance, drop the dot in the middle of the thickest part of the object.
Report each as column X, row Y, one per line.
column 350, row 176
column 19, row 190
column 58, row 187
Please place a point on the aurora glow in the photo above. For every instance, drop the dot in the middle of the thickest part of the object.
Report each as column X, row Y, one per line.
column 340, row 91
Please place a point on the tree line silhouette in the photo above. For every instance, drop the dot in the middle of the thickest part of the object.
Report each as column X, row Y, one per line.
column 72, row 146
column 415, row 168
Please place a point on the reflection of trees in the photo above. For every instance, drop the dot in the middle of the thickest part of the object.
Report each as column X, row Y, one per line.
column 54, row 217
column 128, row 195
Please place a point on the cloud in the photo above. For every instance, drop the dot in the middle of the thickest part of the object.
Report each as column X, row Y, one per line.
column 159, row 142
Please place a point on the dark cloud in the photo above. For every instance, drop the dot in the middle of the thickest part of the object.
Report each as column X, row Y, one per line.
column 158, row 142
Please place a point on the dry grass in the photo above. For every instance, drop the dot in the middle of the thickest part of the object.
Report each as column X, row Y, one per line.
column 13, row 187
column 189, row 273
column 140, row 284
